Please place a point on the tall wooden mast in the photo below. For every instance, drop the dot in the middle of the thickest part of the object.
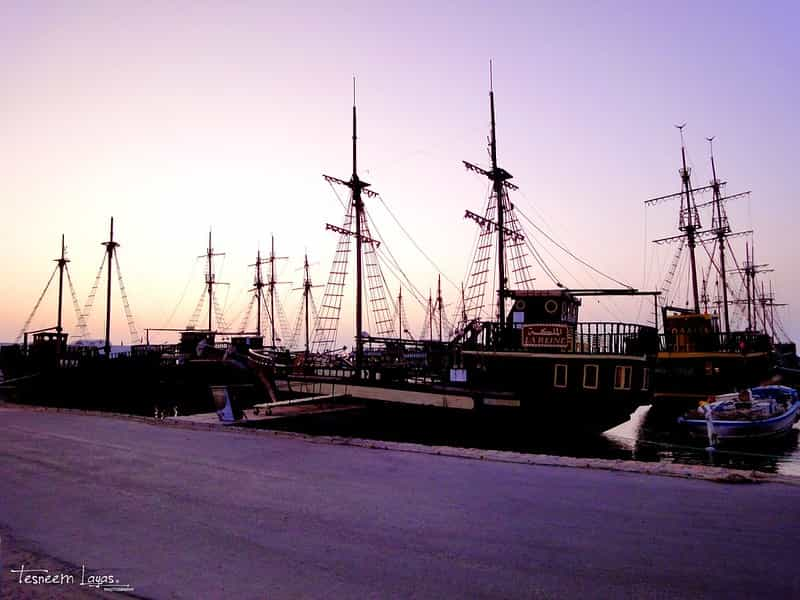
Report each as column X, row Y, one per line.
column 258, row 286
column 111, row 247
column 689, row 221
column 272, row 289
column 439, row 303
column 721, row 228
column 306, row 294
column 356, row 186
column 62, row 263
column 210, row 278
column 498, row 176
column 500, row 185
column 272, row 283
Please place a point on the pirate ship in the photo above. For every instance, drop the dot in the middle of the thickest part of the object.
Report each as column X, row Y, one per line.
column 701, row 353
column 528, row 356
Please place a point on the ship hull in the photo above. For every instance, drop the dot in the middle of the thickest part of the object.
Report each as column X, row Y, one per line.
column 145, row 385
column 583, row 393
column 682, row 379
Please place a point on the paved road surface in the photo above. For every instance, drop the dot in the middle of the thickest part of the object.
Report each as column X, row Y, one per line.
column 182, row 513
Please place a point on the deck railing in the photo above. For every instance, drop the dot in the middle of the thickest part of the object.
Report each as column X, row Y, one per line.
column 584, row 338
column 735, row 341
column 614, row 338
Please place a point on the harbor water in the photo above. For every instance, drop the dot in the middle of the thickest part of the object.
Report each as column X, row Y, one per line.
column 649, row 436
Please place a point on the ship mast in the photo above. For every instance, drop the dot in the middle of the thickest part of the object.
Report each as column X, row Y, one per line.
column 689, row 219
column 356, row 186
column 62, row 263
column 500, row 184
column 306, row 294
column 210, row 279
column 430, row 314
column 111, row 247
column 400, row 312
column 721, row 228
column 258, row 286
column 498, row 176
column 439, row 303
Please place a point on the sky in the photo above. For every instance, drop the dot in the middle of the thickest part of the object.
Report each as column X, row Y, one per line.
column 178, row 117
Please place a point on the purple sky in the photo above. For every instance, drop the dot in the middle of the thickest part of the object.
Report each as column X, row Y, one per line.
column 174, row 117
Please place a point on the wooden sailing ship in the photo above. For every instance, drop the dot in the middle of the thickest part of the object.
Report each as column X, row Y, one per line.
column 531, row 360
column 700, row 353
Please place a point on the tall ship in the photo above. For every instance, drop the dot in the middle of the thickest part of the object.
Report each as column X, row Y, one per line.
column 715, row 343
column 517, row 352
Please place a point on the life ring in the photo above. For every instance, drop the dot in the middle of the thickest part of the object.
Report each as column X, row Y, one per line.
column 551, row 306
column 519, row 305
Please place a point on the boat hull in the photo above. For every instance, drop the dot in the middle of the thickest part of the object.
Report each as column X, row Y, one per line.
column 141, row 385
column 536, row 389
column 743, row 431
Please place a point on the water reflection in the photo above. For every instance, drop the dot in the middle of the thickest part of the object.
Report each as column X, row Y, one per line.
column 653, row 435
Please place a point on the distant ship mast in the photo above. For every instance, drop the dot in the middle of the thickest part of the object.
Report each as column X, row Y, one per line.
column 210, row 277
column 62, row 264
column 258, row 286
column 111, row 247
column 272, row 283
column 691, row 234
column 720, row 228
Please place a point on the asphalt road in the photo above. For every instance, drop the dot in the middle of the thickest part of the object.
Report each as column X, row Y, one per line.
column 181, row 513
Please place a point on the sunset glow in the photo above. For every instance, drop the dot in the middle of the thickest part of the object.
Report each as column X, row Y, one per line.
column 215, row 115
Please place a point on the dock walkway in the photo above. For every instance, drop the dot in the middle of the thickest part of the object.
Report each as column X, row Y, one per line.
column 191, row 513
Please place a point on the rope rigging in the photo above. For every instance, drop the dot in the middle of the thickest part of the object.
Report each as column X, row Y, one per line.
column 36, row 306
column 413, row 241
column 183, row 293
column 326, row 325
column 87, row 308
column 570, row 253
column 197, row 310
column 81, row 322
column 126, row 305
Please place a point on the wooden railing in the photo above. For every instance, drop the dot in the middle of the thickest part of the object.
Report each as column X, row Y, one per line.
column 735, row 341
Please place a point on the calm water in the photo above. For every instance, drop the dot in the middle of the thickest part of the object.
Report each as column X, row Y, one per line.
column 648, row 436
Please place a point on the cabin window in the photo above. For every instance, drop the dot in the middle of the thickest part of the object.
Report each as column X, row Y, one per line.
column 590, row 376
column 622, row 378
column 519, row 318
column 560, row 376
column 645, row 379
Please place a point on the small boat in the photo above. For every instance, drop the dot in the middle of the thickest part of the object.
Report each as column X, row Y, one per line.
column 751, row 414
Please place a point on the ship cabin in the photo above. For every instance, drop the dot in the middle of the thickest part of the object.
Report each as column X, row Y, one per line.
column 542, row 319
column 50, row 339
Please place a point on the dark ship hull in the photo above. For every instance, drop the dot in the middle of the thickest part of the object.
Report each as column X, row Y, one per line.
column 147, row 381
column 696, row 361
column 589, row 378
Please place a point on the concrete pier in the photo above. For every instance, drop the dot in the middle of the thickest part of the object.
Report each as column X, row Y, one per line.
column 184, row 513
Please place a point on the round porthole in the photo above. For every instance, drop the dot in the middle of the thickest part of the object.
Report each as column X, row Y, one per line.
column 519, row 305
column 551, row 306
